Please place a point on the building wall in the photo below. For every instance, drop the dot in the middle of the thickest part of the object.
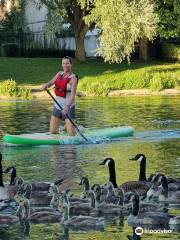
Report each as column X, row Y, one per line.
column 35, row 17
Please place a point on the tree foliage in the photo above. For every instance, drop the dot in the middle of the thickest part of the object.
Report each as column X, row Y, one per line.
column 169, row 18
column 13, row 19
column 122, row 23
column 72, row 12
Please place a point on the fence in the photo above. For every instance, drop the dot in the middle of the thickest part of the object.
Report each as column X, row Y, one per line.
column 39, row 42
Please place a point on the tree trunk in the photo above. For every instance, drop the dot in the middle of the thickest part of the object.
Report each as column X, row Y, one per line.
column 143, row 49
column 80, row 48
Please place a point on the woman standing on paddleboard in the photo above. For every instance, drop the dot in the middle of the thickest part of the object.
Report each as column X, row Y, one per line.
column 65, row 89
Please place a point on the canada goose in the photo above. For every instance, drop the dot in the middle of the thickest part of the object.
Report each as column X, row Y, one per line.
column 165, row 192
column 111, row 195
column 96, row 188
column 137, row 218
column 134, row 186
column 80, row 222
column 173, row 185
column 3, row 190
column 44, row 186
column 146, row 206
column 85, row 183
column 101, row 206
column 14, row 182
column 142, row 174
column 12, row 172
column 142, row 159
column 54, row 192
column 78, row 208
column 45, row 217
column 114, row 196
column 38, row 197
column 35, row 215
column 154, row 192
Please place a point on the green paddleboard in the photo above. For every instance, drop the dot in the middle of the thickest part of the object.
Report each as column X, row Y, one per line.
column 56, row 139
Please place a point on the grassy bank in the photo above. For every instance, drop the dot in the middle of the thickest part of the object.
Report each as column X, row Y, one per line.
column 96, row 77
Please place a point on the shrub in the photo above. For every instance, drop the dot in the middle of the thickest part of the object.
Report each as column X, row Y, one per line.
column 164, row 80
column 171, row 51
column 9, row 88
column 10, row 50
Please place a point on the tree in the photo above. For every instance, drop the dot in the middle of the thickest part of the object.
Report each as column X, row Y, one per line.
column 73, row 13
column 169, row 18
column 122, row 23
column 12, row 15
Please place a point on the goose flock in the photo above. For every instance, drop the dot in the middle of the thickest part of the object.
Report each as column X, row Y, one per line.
column 144, row 202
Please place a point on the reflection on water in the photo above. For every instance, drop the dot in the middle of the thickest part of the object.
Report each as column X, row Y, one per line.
column 157, row 132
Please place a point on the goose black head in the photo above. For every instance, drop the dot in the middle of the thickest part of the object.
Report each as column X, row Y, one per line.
column 107, row 162
column 96, row 188
column 84, row 181
column 157, row 178
column 0, row 157
column 164, row 181
column 139, row 157
column 12, row 171
column 151, row 178
column 164, row 186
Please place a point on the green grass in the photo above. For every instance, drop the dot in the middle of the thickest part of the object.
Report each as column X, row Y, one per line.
column 96, row 77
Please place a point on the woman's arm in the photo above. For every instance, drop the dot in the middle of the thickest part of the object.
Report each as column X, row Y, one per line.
column 50, row 83
column 73, row 92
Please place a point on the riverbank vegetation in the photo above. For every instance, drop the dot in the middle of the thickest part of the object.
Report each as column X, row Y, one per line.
column 96, row 77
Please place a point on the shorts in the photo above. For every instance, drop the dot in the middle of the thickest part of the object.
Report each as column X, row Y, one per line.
column 71, row 112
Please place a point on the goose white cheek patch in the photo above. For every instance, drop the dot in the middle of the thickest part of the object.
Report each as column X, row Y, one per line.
column 10, row 171
column 107, row 163
column 140, row 159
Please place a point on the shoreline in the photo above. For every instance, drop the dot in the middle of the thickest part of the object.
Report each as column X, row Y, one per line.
column 38, row 94
column 115, row 93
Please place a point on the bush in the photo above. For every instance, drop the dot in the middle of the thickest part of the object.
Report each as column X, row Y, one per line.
column 171, row 51
column 164, row 80
column 10, row 50
column 9, row 88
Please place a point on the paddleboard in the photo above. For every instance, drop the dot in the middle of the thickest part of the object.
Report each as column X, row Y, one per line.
column 56, row 139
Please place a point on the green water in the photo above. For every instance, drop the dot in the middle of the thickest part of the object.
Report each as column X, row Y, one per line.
column 157, row 134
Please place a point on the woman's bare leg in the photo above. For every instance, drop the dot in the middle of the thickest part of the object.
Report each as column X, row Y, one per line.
column 70, row 128
column 54, row 125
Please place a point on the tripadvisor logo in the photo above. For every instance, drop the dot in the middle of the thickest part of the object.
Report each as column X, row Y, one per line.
column 139, row 231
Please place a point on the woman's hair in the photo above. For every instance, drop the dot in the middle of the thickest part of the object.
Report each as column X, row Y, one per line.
column 69, row 58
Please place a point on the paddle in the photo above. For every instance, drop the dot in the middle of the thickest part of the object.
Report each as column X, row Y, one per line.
column 67, row 115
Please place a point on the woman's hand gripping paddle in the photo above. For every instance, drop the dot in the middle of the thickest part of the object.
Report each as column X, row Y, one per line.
column 67, row 115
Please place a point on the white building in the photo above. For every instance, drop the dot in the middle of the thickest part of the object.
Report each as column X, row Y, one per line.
column 35, row 21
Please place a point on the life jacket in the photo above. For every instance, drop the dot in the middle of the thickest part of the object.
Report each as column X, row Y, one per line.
column 61, row 85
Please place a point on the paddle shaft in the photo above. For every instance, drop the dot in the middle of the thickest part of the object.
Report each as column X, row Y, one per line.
column 67, row 115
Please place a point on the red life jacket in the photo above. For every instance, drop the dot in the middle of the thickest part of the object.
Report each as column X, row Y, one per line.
column 61, row 85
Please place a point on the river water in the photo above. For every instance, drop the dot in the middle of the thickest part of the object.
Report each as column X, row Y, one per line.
column 156, row 120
